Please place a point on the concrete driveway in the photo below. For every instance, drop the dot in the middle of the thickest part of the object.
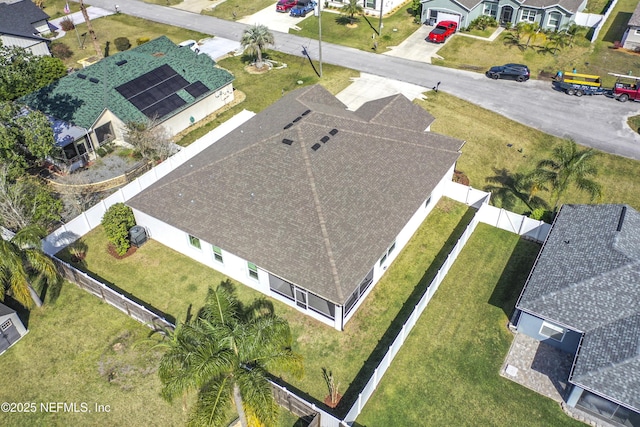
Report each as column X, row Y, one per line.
column 218, row 47
column 368, row 87
column 416, row 47
column 275, row 21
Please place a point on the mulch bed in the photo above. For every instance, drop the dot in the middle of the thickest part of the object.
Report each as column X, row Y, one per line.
column 112, row 251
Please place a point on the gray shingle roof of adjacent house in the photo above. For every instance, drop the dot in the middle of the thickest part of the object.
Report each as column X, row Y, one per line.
column 568, row 5
column 81, row 97
column 4, row 310
column 307, row 190
column 634, row 21
column 587, row 277
column 18, row 19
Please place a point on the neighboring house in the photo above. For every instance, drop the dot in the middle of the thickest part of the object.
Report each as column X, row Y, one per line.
column 549, row 14
column 631, row 38
column 306, row 202
column 11, row 328
column 156, row 80
column 371, row 7
column 583, row 297
column 23, row 24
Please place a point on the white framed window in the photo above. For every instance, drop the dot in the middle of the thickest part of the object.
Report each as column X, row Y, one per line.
column 194, row 241
column 253, row 270
column 371, row 4
column 637, row 32
column 490, row 9
column 387, row 253
column 552, row 331
column 217, row 253
column 554, row 20
column 528, row 15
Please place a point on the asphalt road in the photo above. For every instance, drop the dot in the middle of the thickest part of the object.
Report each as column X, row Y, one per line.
column 594, row 121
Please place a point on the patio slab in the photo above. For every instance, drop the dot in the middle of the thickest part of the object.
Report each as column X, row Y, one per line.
column 538, row 366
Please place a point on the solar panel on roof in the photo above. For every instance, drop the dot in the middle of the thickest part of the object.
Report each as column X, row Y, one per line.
column 164, row 107
column 94, row 80
column 196, row 89
column 81, row 76
column 154, row 93
column 120, row 63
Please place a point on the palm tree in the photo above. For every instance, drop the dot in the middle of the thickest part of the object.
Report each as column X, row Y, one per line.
column 509, row 188
column 529, row 30
column 224, row 354
column 22, row 263
column 556, row 41
column 352, row 8
column 254, row 39
column 569, row 165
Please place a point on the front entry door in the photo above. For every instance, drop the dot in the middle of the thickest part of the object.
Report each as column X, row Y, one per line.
column 506, row 14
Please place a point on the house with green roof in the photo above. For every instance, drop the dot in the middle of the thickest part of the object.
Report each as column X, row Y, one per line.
column 158, row 80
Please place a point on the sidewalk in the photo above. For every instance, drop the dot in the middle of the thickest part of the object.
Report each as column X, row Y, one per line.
column 77, row 18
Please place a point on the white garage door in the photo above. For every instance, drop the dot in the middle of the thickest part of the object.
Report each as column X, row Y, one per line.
column 442, row 16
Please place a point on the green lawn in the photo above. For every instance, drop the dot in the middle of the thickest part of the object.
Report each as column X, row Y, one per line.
column 397, row 27
column 80, row 349
column 449, row 364
column 487, row 135
column 107, row 29
column 175, row 284
column 236, row 9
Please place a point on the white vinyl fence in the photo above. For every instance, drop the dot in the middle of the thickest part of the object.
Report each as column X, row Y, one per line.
column 88, row 220
column 594, row 21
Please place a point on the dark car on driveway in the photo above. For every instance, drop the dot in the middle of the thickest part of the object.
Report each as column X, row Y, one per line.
column 302, row 8
column 517, row 72
column 442, row 31
column 285, row 5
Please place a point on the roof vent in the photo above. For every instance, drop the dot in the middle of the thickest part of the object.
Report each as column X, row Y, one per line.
column 325, row 139
column 287, row 141
column 121, row 63
column 306, row 112
column 94, row 80
column 297, row 119
column 316, row 146
column 621, row 220
column 288, row 125
column 333, row 132
column 81, row 76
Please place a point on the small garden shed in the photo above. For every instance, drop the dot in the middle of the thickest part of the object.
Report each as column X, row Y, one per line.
column 11, row 328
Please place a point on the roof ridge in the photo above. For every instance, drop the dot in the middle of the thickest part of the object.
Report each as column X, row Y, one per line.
column 322, row 222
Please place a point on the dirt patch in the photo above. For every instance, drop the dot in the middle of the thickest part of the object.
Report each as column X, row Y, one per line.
column 252, row 69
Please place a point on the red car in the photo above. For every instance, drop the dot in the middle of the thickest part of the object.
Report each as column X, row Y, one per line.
column 442, row 31
column 285, row 5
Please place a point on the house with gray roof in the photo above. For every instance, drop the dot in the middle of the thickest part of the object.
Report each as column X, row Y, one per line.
column 583, row 297
column 157, row 80
column 307, row 202
column 549, row 14
column 631, row 37
column 23, row 24
column 11, row 328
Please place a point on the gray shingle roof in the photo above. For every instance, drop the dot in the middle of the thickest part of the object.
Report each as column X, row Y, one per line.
column 634, row 21
column 80, row 101
column 4, row 310
column 587, row 277
column 18, row 19
column 568, row 5
column 320, row 219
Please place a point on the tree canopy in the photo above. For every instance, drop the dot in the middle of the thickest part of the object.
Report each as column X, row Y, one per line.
column 254, row 39
column 224, row 355
column 26, row 138
column 22, row 72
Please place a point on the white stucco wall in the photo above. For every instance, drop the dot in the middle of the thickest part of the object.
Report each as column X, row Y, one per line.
column 199, row 110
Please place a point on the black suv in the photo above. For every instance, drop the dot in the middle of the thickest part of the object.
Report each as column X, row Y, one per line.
column 517, row 72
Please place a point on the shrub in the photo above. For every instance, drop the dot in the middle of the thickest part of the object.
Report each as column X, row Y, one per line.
column 483, row 22
column 117, row 221
column 142, row 40
column 542, row 214
column 67, row 24
column 61, row 51
column 122, row 43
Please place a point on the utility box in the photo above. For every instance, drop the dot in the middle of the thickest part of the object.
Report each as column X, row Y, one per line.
column 137, row 235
